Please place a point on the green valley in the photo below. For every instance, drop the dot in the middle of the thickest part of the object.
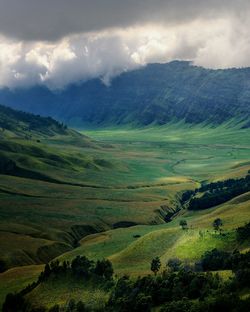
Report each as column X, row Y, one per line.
column 124, row 156
column 114, row 193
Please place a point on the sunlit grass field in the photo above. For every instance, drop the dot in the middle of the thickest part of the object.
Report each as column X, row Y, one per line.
column 132, row 249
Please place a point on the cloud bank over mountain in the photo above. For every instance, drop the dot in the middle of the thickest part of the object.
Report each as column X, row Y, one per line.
column 59, row 42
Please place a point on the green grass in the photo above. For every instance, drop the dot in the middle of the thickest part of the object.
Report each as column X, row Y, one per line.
column 18, row 278
column 132, row 255
column 124, row 175
column 66, row 288
column 136, row 170
column 199, row 152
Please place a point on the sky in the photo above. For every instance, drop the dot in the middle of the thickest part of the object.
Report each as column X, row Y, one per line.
column 58, row 42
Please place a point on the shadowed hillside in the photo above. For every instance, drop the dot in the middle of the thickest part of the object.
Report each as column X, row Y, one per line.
column 22, row 124
column 37, row 155
column 156, row 93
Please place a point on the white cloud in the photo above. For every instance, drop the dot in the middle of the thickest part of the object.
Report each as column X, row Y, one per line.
column 215, row 43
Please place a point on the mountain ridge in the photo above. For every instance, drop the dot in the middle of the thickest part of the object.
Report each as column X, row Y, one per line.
column 19, row 123
column 155, row 93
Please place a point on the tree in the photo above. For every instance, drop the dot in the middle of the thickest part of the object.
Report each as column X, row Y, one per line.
column 217, row 224
column 2, row 266
column 143, row 303
column 155, row 265
column 47, row 271
column 104, row 269
column 174, row 264
column 71, row 306
column 243, row 233
column 82, row 266
column 80, row 307
column 183, row 224
column 13, row 303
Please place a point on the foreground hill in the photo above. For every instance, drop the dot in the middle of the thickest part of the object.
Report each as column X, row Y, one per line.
column 131, row 251
column 156, row 93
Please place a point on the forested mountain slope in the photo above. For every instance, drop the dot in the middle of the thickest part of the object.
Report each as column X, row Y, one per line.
column 156, row 93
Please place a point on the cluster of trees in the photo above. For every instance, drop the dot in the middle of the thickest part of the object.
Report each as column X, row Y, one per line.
column 243, row 232
column 216, row 193
column 187, row 195
column 218, row 303
column 179, row 284
column 213, row 260
column 70, row 306
column 217, row 224
column 183, row 290
column 221, row 260
column 80, row 268
column 220, row 185
column 178, row 288
column 148, row 292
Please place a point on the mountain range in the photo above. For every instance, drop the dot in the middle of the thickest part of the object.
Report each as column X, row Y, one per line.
column 153, row 94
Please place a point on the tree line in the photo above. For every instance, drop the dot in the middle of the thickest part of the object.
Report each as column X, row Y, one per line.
column 215, row 193
column 243, row 232
column 80, row 268
column 179, row 286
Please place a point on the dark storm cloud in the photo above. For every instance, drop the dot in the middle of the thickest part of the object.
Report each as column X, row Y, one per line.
column 57, row 42
column 53, row 19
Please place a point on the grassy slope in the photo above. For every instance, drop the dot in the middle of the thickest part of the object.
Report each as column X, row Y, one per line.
column 149, row 167
column 14, row 123
column 18, row 278
column 67, row 288
column 133, row 255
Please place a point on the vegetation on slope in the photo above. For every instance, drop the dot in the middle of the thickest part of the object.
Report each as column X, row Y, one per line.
column 131, row 249
column 33, row 165
column 156, row 93
column 22, row 124
column 179, row 286
column 215, row 193
column 135, row 176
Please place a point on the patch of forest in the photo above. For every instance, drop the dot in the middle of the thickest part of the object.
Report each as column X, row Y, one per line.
column 215, row 193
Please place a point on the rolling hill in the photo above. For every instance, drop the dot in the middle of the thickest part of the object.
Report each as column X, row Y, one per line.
column 156, row 93
column 35, row 164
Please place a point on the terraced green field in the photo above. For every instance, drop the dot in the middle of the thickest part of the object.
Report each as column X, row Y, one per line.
column 123, row 175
